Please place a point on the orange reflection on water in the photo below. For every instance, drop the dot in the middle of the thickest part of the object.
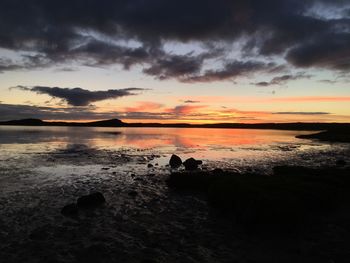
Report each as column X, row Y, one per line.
column 193, row 137
column 185, row 138
column 204, row 143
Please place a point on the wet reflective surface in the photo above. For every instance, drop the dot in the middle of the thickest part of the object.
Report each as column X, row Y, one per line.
column 223, row 147
column 45, row 168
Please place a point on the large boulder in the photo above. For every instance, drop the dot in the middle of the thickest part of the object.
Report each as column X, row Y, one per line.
column 70, row 210
column 91, row 200
column 191, row 164
column 175, row 161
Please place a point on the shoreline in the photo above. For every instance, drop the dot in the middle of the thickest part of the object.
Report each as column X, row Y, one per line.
column 116, row 123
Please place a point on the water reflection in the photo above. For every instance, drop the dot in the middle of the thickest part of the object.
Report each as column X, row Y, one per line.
column 226, row 148
column 144, row 137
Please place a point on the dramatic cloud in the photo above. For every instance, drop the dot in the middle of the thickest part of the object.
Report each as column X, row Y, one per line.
column 306, row 34
column 281, row 80
column 79, row 96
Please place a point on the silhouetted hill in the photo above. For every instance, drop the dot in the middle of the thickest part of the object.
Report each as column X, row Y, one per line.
column 25, row 122
column 106, row 123
column 38, row 122
column 336, row 127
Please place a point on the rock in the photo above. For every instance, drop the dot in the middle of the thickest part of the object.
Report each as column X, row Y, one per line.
column 191, row 164
column 91, row 200
column 340, row 162
column 218, row 171
column 70, row 210
column 175, row 161
column 133, row 193
column 199, row 162
column 150, row 165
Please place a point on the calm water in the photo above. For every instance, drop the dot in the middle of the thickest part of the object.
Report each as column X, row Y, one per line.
column 228, row 148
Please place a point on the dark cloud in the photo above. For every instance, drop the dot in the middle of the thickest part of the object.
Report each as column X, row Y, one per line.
column 330, row 51
column 281, row 80
column 231, row 71
column 179, row 66
column 17, row 111
column 79, row 96
column 27, row 62
column 302, row 113
column 7, row 65
column 174, row 67
column 133, row 32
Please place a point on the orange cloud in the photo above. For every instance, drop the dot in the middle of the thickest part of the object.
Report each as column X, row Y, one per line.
column 185, row 109
column 144, row 106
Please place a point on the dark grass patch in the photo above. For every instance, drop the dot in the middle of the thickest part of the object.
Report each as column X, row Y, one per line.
column 332, row 135
column 291, row 197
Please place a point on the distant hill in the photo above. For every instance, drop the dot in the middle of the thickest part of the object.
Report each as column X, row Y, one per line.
column 119, row 123
column 38, row 122
column 25, row 122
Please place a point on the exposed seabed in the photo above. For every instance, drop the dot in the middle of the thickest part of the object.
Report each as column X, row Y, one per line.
column 143, row 220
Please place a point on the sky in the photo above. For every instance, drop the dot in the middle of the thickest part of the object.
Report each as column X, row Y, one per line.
column 198, row 61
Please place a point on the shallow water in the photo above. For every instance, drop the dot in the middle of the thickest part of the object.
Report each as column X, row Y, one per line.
column 227, row 148
column 34, row 157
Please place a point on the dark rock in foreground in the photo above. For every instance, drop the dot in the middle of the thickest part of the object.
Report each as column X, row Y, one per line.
column 70, row 210
column 175, row 161
column 91, row 200
column 191, row 164
column 340, row 162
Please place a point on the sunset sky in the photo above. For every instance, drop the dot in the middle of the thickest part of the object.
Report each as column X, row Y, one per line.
column 175, row 61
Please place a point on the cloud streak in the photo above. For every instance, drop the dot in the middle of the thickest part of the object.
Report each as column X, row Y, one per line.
column 281, row 80
column 302, row 113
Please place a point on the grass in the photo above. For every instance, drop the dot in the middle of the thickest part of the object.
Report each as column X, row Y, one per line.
column 292, row 196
